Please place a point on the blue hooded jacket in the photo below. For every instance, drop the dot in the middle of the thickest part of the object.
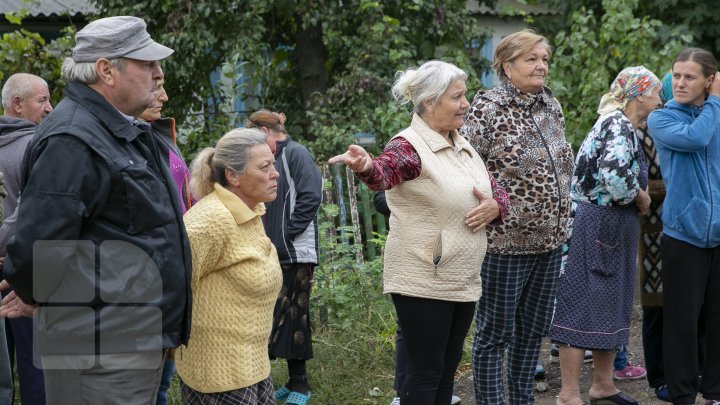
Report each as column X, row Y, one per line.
column 687, row 139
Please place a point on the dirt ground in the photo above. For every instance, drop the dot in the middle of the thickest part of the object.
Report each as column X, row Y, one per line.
column 637, row 389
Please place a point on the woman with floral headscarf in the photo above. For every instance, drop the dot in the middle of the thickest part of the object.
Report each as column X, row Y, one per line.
column 609, row 188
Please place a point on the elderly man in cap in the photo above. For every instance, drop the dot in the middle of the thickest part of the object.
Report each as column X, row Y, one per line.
column 100, row 254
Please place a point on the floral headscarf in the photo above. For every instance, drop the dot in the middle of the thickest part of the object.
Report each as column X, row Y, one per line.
column 629, row 83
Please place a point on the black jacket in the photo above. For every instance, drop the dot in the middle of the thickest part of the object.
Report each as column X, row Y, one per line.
column 100, row 242
column 291, row 220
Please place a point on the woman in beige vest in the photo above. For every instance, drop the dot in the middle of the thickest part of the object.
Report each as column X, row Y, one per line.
column 441, row 198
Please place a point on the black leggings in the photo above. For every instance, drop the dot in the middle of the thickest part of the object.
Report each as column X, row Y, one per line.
column 434, row 333
column 691, row 281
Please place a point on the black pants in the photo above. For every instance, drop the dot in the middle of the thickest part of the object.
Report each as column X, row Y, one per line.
column 434, row 333
column 401, row 360
column 652, row 330
column 691, row 282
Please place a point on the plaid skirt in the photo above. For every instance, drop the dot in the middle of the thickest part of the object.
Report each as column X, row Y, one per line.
column 261, row 393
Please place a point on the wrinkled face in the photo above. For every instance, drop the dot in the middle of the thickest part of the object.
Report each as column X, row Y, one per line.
column 448, row 112
column 136, row 85
column 650, row 102
column 258, row 183
column 528, row 71
column 155, row 112
column 689, row 84
column 36, row 106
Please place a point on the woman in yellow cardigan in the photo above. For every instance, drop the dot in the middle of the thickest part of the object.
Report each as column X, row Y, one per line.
column 236, row 274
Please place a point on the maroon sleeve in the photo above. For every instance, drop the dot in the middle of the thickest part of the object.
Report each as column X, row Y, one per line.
column 397, row 163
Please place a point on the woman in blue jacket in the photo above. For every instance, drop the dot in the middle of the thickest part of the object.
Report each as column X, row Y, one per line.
column 687, row 138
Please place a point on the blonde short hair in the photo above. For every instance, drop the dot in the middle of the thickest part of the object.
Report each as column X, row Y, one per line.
column 515, row 45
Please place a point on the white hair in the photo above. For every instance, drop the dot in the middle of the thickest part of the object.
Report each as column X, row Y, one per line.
column 85, row 72
column 428, row 82
column 18, row 85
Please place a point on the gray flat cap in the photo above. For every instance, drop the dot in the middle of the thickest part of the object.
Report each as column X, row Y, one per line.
column 115, row 37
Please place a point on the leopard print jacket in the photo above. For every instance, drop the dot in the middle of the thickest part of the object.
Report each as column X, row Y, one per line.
column 521, row 138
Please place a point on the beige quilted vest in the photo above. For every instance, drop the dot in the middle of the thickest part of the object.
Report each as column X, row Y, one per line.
column 430, row 252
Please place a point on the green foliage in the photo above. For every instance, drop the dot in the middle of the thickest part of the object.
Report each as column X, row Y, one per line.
column 348, row 293
column 27, row 52
column 16, row 18
column 368, row 44
column 698, row 18
column 593, row 51
column 205, row 35
column 347, row 367
column 365, row 42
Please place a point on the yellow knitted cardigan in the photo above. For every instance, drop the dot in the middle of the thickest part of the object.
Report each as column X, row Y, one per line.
column 235, row 282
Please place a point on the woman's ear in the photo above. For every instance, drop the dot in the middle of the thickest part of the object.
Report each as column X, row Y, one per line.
column 429, row 107
column 232, row 177
column 506, row 69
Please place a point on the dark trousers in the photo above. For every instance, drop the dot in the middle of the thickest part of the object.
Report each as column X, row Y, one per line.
column 652, row 330
column 19, row 333
column 111, row 379
column 691, row 281
column 401, row 360
column 434, row 333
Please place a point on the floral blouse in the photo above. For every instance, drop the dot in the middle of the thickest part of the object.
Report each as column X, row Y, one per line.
column 610, row 168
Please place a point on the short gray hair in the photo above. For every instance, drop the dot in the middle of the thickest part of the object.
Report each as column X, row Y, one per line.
column 18, row 85
column 85, row 72
column 231, row 152
column 428, row 82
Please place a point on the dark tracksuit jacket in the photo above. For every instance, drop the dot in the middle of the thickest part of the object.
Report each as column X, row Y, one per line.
column 291, row 220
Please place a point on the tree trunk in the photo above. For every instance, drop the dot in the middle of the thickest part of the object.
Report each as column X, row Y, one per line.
column 311, row 55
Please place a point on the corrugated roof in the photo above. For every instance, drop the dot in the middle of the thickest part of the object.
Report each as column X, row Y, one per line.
column 48, row 8
column 508, row 7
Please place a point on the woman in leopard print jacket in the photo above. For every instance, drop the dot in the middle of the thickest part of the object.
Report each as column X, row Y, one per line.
column 519, row 130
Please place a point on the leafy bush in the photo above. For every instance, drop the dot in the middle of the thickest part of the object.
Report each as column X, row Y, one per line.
column 27, row 52
column 593, row 52
column 347, row 292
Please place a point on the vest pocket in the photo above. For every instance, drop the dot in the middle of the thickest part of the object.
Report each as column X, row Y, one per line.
column 147, row 203
column 437, row 251
column 442, row 253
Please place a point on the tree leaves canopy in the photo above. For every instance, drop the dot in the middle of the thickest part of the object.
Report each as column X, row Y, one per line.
column 327, row 64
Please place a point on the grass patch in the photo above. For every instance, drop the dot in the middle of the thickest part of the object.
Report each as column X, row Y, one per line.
column 347, row 367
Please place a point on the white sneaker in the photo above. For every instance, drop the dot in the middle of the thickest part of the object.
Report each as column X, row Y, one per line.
column 395, row 401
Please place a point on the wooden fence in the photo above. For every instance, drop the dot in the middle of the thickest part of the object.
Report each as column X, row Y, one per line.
column 354, row 199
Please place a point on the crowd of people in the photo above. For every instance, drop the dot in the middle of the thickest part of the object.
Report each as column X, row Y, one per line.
column 141, row 267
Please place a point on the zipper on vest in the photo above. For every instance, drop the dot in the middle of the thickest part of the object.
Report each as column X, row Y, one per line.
column 437, row 252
